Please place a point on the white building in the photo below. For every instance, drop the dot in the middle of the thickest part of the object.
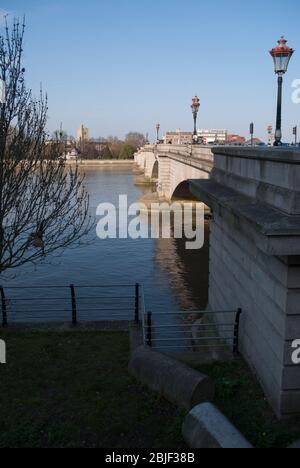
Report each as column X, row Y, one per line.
column 213, row 135
column 72, row 155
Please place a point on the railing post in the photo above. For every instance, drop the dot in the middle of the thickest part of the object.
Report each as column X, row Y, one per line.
column 236, row 332
column 149, row 329
column 137, row 304
column 4, row 307
column 74, row 306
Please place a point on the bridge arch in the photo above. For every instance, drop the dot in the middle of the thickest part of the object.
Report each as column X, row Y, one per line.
column 179, row 186
column 155, row 170
column 182, row 191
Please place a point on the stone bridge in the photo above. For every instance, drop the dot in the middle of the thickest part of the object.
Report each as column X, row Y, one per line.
column 173, row 166
column 254, row 194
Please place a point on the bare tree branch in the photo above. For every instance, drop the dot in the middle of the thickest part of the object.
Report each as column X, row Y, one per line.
column 43, row 202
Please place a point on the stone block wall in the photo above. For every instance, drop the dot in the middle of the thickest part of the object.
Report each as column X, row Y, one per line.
column 241, row 275
column 255, row 260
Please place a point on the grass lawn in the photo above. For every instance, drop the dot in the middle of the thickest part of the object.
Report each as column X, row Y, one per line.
column 72, row 389
column 241, row 399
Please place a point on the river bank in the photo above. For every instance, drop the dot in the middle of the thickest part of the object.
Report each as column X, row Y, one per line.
column 103, row 162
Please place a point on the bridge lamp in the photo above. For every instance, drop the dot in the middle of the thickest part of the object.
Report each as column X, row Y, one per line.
column 157, row 131
column 195, row 109
column 281, row 55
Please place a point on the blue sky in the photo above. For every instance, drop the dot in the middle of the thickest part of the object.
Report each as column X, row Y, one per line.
column 123, row 65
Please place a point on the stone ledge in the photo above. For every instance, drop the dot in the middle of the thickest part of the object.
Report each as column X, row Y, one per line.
column 285, row 200
column 171, row 379
column 280, row 155
column 266, row 220
column 207, row 428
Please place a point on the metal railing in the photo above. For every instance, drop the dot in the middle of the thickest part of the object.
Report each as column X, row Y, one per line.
column 166, row 331
column 27, row 304
column 192, row 330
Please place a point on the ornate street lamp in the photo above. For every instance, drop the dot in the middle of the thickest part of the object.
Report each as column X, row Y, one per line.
column 281, row 55
column 157, row 131
column 195, row 109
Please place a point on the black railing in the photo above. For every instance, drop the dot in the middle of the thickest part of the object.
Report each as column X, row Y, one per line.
column 192, row 330
column 3, row 307
column 26, row 304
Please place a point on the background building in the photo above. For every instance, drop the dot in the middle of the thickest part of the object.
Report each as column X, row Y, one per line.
column 256, row 142
column 179, row 138
column 82, row 134
column 236, row 139
column 218, row 136
column 213, row 135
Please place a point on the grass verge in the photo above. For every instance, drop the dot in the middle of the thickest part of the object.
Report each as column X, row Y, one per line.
column 240, row 398
column 72, row 389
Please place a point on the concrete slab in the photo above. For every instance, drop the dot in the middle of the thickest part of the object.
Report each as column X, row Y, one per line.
column 171, row 379
column 206, row 427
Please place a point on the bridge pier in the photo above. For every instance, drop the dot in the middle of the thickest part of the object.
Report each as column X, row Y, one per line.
column 255, row 260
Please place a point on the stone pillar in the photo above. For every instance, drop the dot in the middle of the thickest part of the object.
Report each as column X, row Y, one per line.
column 255, row 259
column 164, row 181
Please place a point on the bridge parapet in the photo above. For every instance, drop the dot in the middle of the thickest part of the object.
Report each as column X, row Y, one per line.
column 268, row 175
column 255, row 259
column 175, row 164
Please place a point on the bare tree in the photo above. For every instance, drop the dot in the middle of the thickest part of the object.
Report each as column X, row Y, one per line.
column 43, row 202
column 135, row 139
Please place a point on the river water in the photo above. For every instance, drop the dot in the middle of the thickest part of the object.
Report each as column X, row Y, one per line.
column 173, row 278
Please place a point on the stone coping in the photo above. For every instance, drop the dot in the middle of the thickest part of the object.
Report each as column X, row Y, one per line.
column 280, row 155
column 267, row 220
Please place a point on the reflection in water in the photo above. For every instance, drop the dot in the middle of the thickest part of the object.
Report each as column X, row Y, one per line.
column 173, row 277
column 187, row 270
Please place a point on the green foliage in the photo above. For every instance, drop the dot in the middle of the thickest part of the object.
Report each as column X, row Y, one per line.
column 127, row 152
column 107, row 154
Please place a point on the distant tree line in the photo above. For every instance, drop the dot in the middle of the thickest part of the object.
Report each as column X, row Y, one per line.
column 113, row 147
column 105, row 148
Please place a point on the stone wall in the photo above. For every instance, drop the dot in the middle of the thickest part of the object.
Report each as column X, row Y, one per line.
column 177, row 164
column 255, row 260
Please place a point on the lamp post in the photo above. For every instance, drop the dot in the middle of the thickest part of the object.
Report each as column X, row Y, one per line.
column 157, row 131
column 281, row 55
column 295, row 133
column 252, row 133
column 195, row 109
